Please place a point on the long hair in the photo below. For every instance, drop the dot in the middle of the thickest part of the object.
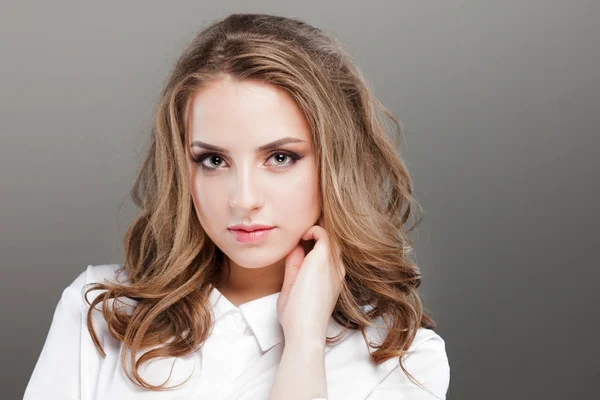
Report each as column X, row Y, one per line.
column 366, row 191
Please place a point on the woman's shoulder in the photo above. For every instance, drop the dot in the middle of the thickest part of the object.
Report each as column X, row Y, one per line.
column 426, row 359
column 95, row 274
column 427, row 337
column 423, row 335
column 75, row 297
column 99, row 273
column 74, row 291
column 427, row 344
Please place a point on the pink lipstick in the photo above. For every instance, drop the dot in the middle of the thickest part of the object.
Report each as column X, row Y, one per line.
column 250, row 233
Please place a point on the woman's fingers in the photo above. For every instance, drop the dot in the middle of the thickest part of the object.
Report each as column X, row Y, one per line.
column 314, row 233
column 293, row 262
column 317, row 233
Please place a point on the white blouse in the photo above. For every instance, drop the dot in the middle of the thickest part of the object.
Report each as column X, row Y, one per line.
column 238, row 360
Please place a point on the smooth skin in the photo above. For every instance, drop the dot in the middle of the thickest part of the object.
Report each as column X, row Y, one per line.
column 247, row 185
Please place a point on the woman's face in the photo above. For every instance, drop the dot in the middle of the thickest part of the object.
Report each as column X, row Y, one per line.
column 248, row 181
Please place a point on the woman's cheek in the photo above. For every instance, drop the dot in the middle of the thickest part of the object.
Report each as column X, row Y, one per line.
column 303, row 208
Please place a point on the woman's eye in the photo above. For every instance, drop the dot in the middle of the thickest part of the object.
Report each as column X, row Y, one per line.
column 214, row 162
column 280, row 158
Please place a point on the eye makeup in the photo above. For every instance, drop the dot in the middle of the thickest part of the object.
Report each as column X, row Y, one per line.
column 200, row 158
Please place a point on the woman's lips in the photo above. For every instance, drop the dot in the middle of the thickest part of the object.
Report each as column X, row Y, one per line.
column 250, row 237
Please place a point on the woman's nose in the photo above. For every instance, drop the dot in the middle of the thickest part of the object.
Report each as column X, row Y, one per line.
column 244, row 192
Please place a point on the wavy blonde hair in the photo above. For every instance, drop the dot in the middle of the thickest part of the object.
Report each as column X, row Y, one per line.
column 171, row 264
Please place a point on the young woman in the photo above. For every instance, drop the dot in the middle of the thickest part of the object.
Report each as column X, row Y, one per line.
column 269, row 259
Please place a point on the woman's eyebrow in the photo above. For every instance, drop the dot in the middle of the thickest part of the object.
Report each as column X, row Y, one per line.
column 265, row 147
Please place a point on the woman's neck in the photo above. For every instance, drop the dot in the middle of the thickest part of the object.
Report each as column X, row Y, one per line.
column 242, row 284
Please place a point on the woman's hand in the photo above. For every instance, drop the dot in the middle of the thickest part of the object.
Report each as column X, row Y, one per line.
column 311, row 287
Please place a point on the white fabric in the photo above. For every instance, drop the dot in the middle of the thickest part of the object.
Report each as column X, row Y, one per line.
column 237, row 362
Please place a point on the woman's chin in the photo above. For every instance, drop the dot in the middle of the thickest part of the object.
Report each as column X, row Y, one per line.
column 254, row 261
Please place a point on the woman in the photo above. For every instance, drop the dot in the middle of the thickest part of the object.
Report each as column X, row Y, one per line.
column 269, row 259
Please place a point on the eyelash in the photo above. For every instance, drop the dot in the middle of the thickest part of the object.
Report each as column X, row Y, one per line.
column 201, row 157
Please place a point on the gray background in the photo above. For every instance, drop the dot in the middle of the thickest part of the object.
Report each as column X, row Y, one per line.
column 500, row 105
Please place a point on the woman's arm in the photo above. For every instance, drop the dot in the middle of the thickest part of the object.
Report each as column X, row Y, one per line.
column 301, row 372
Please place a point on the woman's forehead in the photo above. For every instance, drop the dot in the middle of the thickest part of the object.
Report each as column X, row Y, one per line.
column 249, row 113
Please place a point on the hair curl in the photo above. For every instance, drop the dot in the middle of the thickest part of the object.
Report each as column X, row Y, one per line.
column 365, row 187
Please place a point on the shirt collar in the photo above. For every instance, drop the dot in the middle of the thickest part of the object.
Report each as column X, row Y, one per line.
column 260, row 314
